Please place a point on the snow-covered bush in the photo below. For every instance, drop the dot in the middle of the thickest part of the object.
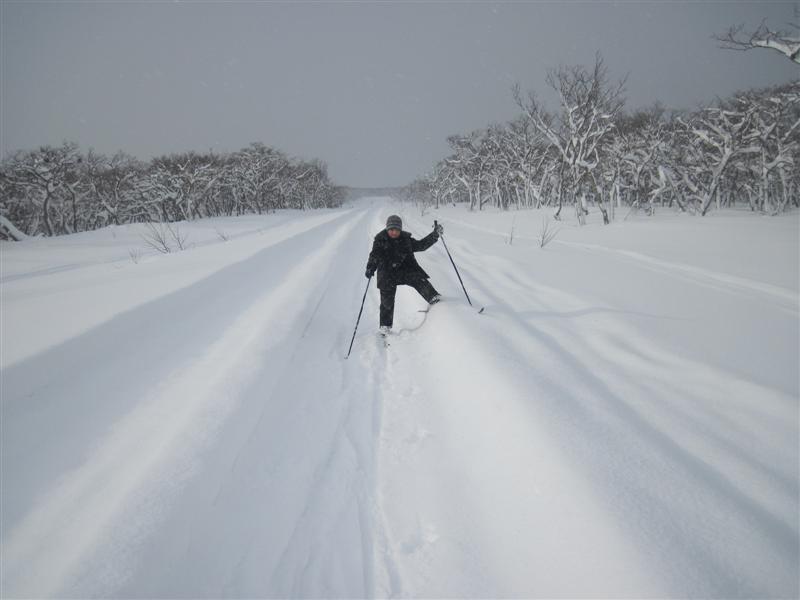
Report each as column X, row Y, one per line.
column 58, row 190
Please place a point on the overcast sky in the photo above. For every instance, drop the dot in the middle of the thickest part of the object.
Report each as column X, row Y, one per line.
column 373, row 89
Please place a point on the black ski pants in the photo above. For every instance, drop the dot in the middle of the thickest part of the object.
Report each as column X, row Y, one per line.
column 422, row 285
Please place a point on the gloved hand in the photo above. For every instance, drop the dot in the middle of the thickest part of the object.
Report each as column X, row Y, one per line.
column 438, row 229
column 369, row 273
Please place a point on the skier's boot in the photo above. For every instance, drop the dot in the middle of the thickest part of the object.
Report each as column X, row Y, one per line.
column 435, row 299
column 385, row 330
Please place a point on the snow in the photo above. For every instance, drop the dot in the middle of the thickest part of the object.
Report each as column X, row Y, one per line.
column 621, row 421
column 111, row 280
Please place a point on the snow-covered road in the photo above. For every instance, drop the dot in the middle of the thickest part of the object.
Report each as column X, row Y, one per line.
column 616, row 424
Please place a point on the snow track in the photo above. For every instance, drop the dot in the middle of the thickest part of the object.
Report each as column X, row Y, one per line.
column 585, row 437
column 700, row 276
column 30, row 291
column 493, row 497
column 221, row 362
column 787, row 299
column 670, row 455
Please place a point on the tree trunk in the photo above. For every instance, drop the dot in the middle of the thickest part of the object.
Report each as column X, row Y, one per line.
column 763, row 184
column 74, row 211
column 48, row 226
column 10, row 230
column 716, row 175
column 613, row 199
column 784, row 190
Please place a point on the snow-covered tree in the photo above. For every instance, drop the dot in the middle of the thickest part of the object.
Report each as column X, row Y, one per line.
column 776, row 134
column 635, row 168
column 469, row 164
column 716, row 136
column 55, row 190
column 785, row 42
column 112, row 181
column 181, row 181
column 41, row 178
column 590, row 152
column 256, row 170
column 581, row 128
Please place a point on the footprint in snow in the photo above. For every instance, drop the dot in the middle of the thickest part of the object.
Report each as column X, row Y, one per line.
column 419, row 435
column 420, row 540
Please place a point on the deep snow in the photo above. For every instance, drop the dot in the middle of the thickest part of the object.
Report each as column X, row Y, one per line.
column 621, row 421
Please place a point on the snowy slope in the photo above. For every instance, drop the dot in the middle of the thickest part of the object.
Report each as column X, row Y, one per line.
column 621, row 421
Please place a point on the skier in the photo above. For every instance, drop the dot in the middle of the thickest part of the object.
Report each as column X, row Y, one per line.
column 392, row 256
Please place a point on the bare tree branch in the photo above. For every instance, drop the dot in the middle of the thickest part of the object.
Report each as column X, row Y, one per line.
column 785, row 42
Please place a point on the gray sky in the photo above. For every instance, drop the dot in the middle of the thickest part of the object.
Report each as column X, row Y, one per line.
column 371, row 88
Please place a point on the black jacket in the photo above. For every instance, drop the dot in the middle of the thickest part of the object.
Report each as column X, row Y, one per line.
column 394, row 259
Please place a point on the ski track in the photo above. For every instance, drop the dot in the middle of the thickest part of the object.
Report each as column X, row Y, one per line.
column 80, row 536
column 696, row 447
column 787, row 300
column 275, row 229
column 508, row 454
column 31, row 301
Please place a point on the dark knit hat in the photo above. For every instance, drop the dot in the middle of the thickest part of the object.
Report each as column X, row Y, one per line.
column 394, row 222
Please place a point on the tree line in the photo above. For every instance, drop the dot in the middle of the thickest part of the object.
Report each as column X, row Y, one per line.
column 590, row 151
column 56, row 190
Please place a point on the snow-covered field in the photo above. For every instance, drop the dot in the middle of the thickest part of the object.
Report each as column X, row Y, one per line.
column 621, row 421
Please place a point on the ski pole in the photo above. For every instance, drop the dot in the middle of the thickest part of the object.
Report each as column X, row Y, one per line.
column 359, row 317
column 435, row 224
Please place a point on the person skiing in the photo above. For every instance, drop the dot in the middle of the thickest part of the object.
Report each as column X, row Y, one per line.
column 392, row 256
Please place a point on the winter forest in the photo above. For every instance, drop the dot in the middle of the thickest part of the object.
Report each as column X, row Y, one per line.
column 58, row 190
column 589, row 151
